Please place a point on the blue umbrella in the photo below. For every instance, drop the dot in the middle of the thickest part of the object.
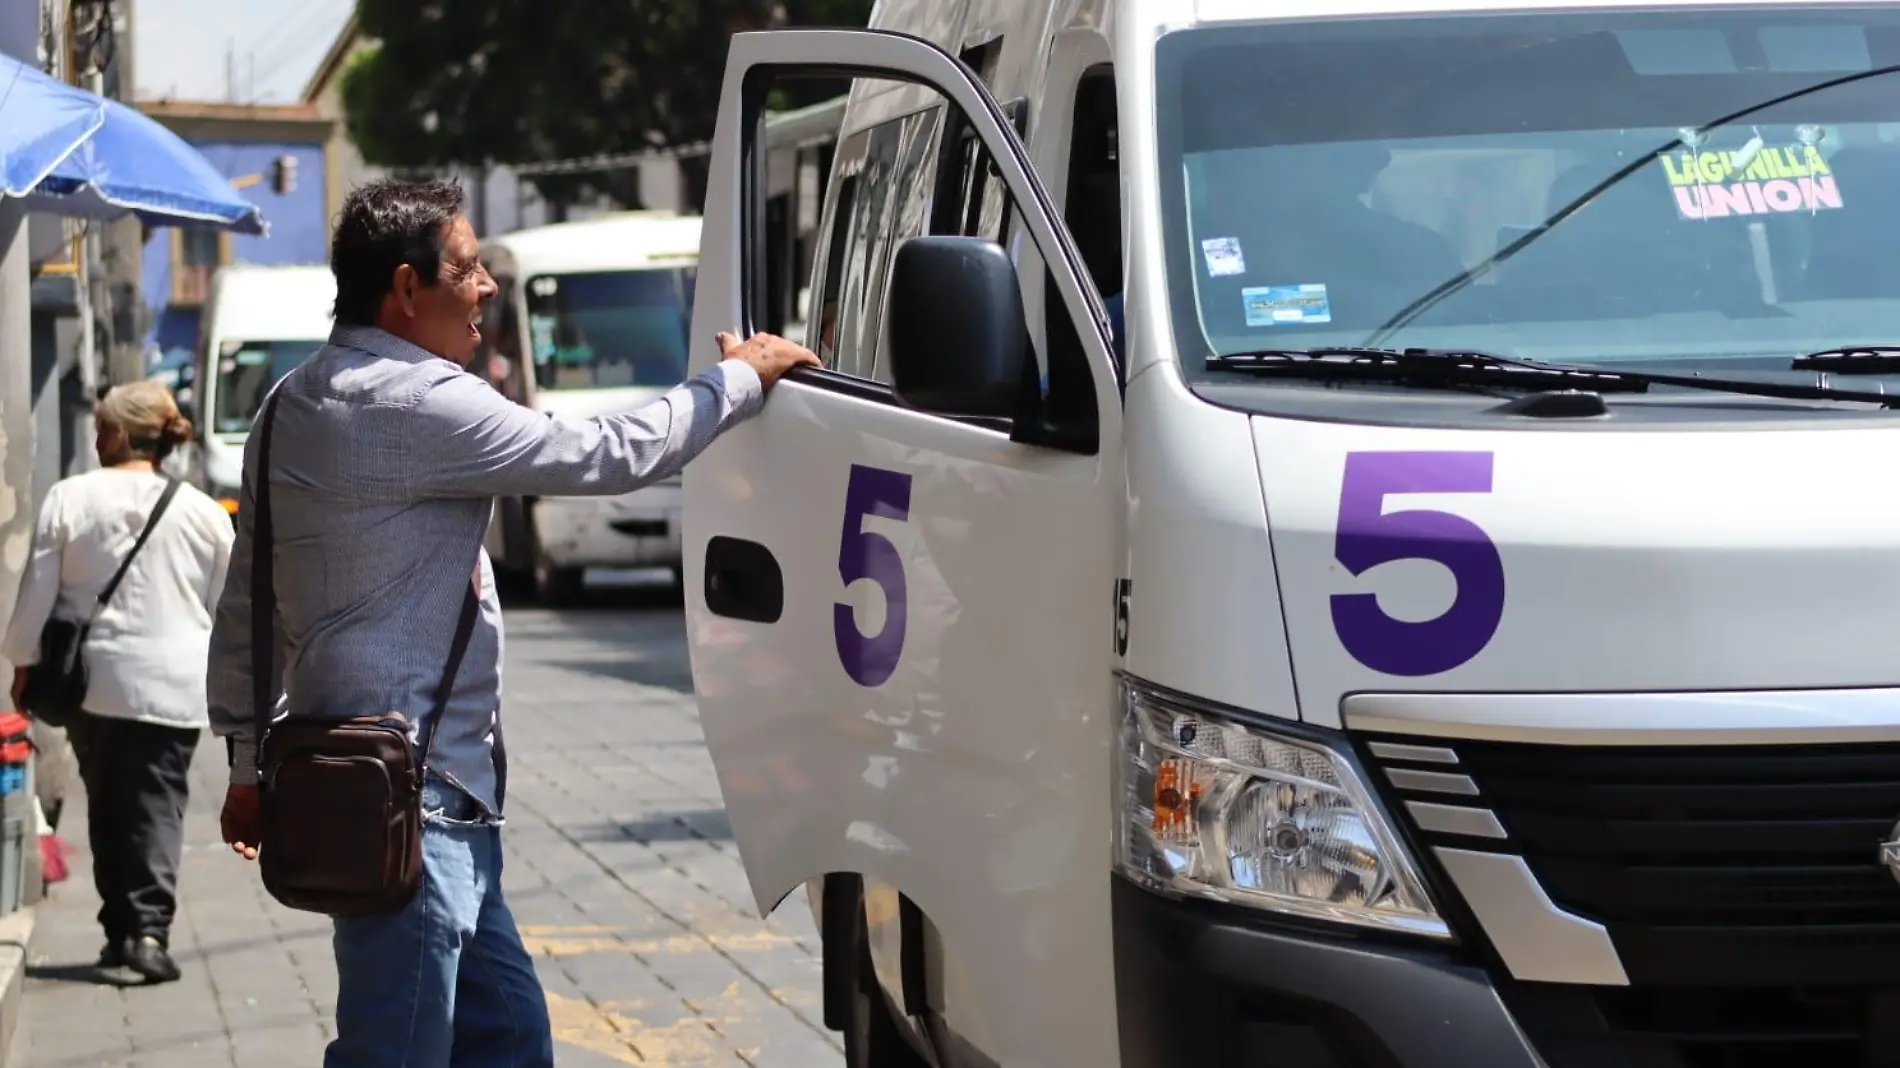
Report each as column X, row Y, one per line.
column 41, row 121
column 132, row 164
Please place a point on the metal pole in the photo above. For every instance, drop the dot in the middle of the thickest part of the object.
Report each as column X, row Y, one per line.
column 94, row 300
column 19, row 38
column 16, row 402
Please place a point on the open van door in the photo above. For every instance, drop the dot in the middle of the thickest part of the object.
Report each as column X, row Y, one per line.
column 900, row 592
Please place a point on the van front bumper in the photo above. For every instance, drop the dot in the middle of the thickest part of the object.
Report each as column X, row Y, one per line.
column 1196, row 986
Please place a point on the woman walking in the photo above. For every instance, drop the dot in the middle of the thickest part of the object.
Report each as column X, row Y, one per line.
column 145, row 652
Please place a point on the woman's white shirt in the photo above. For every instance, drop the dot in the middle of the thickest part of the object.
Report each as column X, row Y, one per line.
column 148, row 645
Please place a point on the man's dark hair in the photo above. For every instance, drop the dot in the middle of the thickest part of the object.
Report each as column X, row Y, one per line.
column 385, row 224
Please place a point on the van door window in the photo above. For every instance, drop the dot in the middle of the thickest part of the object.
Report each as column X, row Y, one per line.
column 879, row 172
column 928, row 173
column 821, row 330
column 894, row 200
column 1093, row 210
column 970, row 199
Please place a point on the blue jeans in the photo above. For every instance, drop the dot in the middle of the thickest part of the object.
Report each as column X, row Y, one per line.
column 445, row 983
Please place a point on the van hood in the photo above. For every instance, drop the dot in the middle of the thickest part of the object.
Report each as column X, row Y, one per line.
column 589, row 403
column 1419, row 560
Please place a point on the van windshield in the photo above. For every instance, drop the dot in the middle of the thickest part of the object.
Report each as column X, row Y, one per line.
column 246, row 372
column 1572, row 187
column 601, row 329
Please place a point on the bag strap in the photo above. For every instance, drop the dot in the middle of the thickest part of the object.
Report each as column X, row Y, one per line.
column 263, row 579
column 264, row 601
column 464, row 631
column 164, row 502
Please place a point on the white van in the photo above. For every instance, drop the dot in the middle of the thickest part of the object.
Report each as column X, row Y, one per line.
column 1459, row 631
column 257, row 325
column 600, row 308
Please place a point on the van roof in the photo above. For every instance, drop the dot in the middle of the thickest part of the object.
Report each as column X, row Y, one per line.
column 1142, row 20
column 1226, row 10
column 620, row 240
column 253, row 303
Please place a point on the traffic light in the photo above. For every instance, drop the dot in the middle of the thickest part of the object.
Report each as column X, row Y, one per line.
column 283, row 174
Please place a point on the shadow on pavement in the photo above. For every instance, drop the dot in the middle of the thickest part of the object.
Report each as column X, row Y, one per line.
column 631, row 665
column 78, row 973
column 689, row 825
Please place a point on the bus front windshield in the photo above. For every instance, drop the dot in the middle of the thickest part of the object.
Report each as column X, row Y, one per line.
column 1656, row 185
column 246, row 372
column 605, row 329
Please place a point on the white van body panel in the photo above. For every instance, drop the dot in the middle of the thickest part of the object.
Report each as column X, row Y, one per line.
column 580, row 532
column 1759, row 559
column 248, row 303
column 1206, row 609
column 973, row 777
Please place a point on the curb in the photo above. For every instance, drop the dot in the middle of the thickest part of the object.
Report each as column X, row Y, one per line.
column 16, row 940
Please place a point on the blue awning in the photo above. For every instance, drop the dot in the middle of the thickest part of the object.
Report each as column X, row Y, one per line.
column 41, row 121
column 129, row 164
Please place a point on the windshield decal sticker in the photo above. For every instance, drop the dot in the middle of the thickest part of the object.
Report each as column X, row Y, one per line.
column 1286, row 305
column 1757, row 180
column 1223, row 256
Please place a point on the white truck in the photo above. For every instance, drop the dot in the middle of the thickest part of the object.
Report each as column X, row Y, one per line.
column 591, row 317
column 258, row 324
column 1444, row 620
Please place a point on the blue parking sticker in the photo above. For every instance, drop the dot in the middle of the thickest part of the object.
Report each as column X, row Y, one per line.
column 1287, row 305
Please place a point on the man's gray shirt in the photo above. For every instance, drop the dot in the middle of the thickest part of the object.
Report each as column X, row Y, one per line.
column 385, row 463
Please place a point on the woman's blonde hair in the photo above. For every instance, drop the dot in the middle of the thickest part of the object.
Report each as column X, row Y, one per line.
column 146, row 413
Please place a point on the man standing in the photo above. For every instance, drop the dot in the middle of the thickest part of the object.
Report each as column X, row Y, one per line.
column 388, row 455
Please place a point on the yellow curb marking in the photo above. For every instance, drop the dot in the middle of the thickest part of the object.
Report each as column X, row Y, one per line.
column 578, row 941
column 687, row 1041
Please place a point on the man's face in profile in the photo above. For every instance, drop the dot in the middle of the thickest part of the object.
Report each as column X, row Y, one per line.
column 448, row 313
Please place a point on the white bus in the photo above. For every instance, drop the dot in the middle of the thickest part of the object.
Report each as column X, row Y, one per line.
column 591, row 317
column 1446, row 620
column 257, row 325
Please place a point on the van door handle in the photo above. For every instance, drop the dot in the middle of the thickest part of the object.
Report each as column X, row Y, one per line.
column 743, row 581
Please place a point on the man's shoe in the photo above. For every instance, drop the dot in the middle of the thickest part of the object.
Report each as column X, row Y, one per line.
column 113, row 956
column 148, row 957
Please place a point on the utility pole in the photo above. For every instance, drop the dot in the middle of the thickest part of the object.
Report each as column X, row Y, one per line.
column 125, row 238
column 19, row 39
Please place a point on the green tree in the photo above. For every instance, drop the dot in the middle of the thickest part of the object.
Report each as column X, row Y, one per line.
column 515, row 81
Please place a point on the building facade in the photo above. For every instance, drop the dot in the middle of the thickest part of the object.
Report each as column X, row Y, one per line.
column 278, row 157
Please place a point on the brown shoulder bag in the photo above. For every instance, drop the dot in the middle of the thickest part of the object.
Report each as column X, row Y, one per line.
column 341, row 799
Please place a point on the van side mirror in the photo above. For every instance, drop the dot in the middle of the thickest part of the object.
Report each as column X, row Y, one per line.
column 959, row 341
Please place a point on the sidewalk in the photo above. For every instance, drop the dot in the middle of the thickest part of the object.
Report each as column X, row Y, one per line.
column 620, row 869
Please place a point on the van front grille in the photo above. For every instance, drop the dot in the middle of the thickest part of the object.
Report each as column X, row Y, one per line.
column 1743, row 886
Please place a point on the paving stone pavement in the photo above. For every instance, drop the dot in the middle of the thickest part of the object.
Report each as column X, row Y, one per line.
column 619, row 866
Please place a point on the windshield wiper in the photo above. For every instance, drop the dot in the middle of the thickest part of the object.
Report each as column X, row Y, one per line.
column 1447, row 367
column 1851, row 360
column 1475, row 368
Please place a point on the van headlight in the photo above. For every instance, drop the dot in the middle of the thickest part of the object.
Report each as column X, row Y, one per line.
column 1242, row 814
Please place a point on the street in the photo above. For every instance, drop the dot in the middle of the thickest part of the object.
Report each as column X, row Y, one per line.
column 620, row 869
